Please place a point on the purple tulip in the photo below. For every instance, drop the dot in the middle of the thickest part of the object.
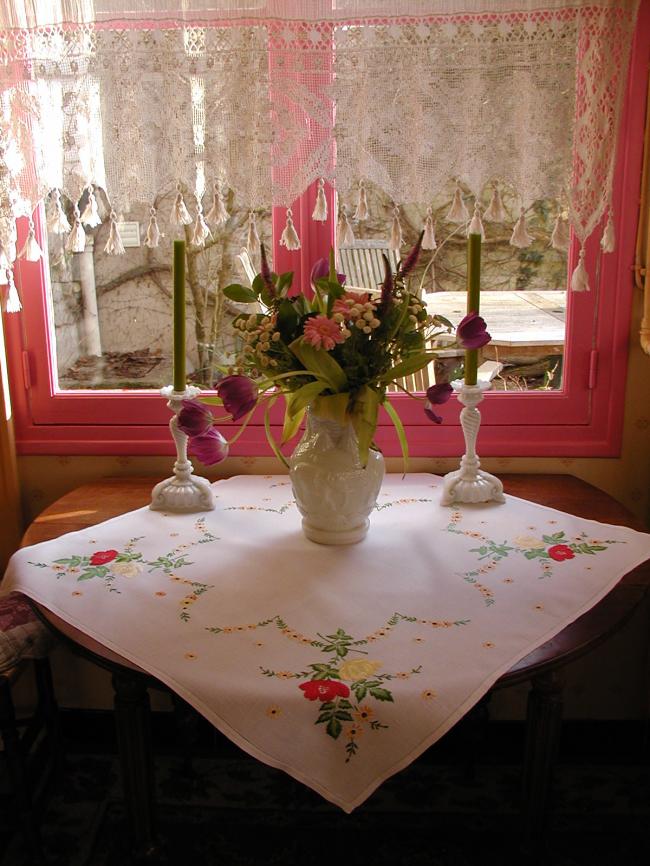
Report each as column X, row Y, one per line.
column 436, row 395
column 210, row 447
column 239, row 395
column 321, row 271
column 194, row 419
column 471, row 332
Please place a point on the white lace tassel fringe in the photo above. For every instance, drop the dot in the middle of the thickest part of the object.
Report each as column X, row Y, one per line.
column 361, row 213
column 458, row 212
column 320, row 208
column 114, row 245
column 90, row 215
column 495, row 213
column 252, row 238
column 580, row 277
column 396, row 237
column 57, row 221
column 344, row 233
column 608, row 240
column 560, row 235
column 30, row 251
column 520, row 237
column 217, row 215
column 12, row 304
column 180, row 214
column 289, row 237
column 476, row 225
column 76, row 242
column 153, row 232
column 429, row 237
column 201, row 232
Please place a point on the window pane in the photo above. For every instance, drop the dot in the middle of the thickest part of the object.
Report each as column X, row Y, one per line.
column 523, row 297
column 113, row 314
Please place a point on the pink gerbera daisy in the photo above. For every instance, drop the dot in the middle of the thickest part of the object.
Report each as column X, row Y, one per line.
column 349, row 299
column 322, row 333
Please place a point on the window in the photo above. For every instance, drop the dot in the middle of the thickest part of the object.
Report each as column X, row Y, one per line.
column 67, row 402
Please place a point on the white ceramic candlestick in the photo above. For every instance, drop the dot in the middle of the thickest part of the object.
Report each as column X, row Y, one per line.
column 470, row 483
column 183, row 491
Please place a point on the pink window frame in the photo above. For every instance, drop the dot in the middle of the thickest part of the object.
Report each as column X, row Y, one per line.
column 585, row 418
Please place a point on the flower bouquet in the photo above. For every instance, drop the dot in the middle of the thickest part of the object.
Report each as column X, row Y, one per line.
column 332, row 355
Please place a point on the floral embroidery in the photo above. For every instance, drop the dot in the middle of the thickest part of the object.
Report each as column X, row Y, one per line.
column 280, row 510
column 341, row 684
column 547, row 549
column 399, row 502
column 110, row 565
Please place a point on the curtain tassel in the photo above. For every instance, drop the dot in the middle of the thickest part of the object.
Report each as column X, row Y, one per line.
column 30, row 251
column 429, row 237
column 180, row 214
column 76, row 242
column 344, row 233
column 458, row 212
column 12, row 304
column 201, row 232
column 289, row 238
column 580, row 277
column 252, row 238
column 520, row 237
column 495, row 213
column 57, row 221
column 396, row 237
column 560, row 235
column 153, row 232
column 90, row 215
column 114, row 245
column 217, row 215
column 608, row 240
column 320, row 208
column 476, row 225
column 361, row 213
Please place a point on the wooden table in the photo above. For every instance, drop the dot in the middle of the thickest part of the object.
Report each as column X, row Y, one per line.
column 521, row 323
column 98, row 501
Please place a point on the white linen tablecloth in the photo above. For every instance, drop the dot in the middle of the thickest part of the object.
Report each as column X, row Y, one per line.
column 339, row 665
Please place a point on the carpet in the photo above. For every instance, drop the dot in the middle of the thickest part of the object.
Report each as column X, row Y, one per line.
column 236, row 812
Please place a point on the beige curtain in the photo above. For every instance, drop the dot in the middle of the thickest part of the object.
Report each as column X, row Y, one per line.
column 11, row 519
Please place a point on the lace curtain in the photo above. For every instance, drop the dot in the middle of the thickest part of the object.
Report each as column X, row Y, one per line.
column 108, row 104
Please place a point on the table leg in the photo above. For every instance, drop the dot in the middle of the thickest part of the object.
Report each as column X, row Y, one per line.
column 132, row 717
column 543, row 725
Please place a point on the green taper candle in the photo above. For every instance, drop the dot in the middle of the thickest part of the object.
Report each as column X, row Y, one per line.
column 179, row 315
column 473, row 296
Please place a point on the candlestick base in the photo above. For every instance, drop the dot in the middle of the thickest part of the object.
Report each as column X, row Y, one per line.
column 470, row 483
column 183, row 492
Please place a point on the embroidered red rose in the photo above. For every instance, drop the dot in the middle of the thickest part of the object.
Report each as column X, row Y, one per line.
column 560, row 552
column 101, row 557
column 324, row 690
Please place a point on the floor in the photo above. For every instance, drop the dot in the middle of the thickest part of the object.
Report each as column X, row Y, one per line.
column 221, row 807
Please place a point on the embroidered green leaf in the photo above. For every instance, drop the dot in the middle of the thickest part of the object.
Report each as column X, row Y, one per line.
column 381, row 694
column 334, row 728
column 553, row 539
column 343, row 715
column 536, row 554
column 360, row 690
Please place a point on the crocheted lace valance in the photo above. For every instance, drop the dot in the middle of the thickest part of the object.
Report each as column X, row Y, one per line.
column 265, row 97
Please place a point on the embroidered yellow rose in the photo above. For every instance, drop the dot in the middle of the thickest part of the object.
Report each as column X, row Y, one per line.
column 126, row 569
column 529, row 542
column 358, row 669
